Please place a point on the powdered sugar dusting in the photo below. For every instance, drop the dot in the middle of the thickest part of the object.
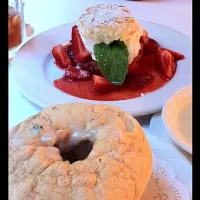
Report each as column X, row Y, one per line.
column 108, row 22
column 105, row 14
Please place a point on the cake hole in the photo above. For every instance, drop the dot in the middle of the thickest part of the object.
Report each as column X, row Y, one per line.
column 55, row 108
column 79, row 152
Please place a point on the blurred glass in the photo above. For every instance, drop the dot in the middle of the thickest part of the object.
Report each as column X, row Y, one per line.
column 16, row 26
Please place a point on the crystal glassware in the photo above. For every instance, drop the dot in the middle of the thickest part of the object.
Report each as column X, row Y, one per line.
column 16, row 26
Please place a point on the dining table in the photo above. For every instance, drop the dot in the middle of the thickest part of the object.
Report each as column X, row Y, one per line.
column 175, row 14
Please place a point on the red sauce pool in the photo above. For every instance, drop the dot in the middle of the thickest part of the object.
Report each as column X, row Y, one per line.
column 84, row 89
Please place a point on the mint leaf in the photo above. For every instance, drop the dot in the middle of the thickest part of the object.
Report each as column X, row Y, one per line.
column 112, row 60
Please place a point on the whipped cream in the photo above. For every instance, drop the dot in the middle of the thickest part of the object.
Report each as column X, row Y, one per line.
column 107, row 23
column 132, row 43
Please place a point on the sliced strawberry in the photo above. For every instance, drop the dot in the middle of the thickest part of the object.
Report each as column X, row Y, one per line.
column 145, row 34
column 102, row 85
column 165, row 64
column 142, row 63
column 141, row 51
column 91, row 66
column 177, row 56
column 69, row 52
column 61, row 58
column 142, row 41
column 142, row 80
column 77, row 74
column 144, row 38
column 66, row 45
column 80, row 53
column 135, row 64
column 139, row 80
column 151, row 46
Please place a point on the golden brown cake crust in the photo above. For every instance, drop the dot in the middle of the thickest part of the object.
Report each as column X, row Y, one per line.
column 118, row 167
column 107, row 22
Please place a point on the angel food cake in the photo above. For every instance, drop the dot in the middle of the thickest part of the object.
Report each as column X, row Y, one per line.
column 79, row 152
column 111, row 57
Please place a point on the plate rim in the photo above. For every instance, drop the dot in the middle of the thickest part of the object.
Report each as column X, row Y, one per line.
column 34, row 100
column 168, row 128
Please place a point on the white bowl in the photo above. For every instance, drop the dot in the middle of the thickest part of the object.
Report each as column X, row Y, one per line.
column 171, row 115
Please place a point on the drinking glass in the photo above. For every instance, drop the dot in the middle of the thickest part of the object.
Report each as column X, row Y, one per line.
column 16, row 26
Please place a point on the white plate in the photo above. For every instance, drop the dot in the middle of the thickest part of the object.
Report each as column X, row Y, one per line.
column 34, row 70
column 171, row 113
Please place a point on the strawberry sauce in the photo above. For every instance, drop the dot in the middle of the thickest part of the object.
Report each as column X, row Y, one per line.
column 84, row 89
column 150, row 70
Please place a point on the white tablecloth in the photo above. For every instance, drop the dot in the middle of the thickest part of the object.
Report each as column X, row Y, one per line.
column 44, row 14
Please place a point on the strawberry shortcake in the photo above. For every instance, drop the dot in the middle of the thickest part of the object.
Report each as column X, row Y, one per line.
column 111, row 57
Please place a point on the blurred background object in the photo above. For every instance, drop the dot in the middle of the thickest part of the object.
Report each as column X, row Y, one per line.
column 18, row 31
column 29, row 30
column 15, row 25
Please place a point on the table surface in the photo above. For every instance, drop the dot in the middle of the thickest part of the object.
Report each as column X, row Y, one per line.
column 43, row 15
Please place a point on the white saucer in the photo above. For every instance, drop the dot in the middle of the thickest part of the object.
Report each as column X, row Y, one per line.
column 171, row 115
